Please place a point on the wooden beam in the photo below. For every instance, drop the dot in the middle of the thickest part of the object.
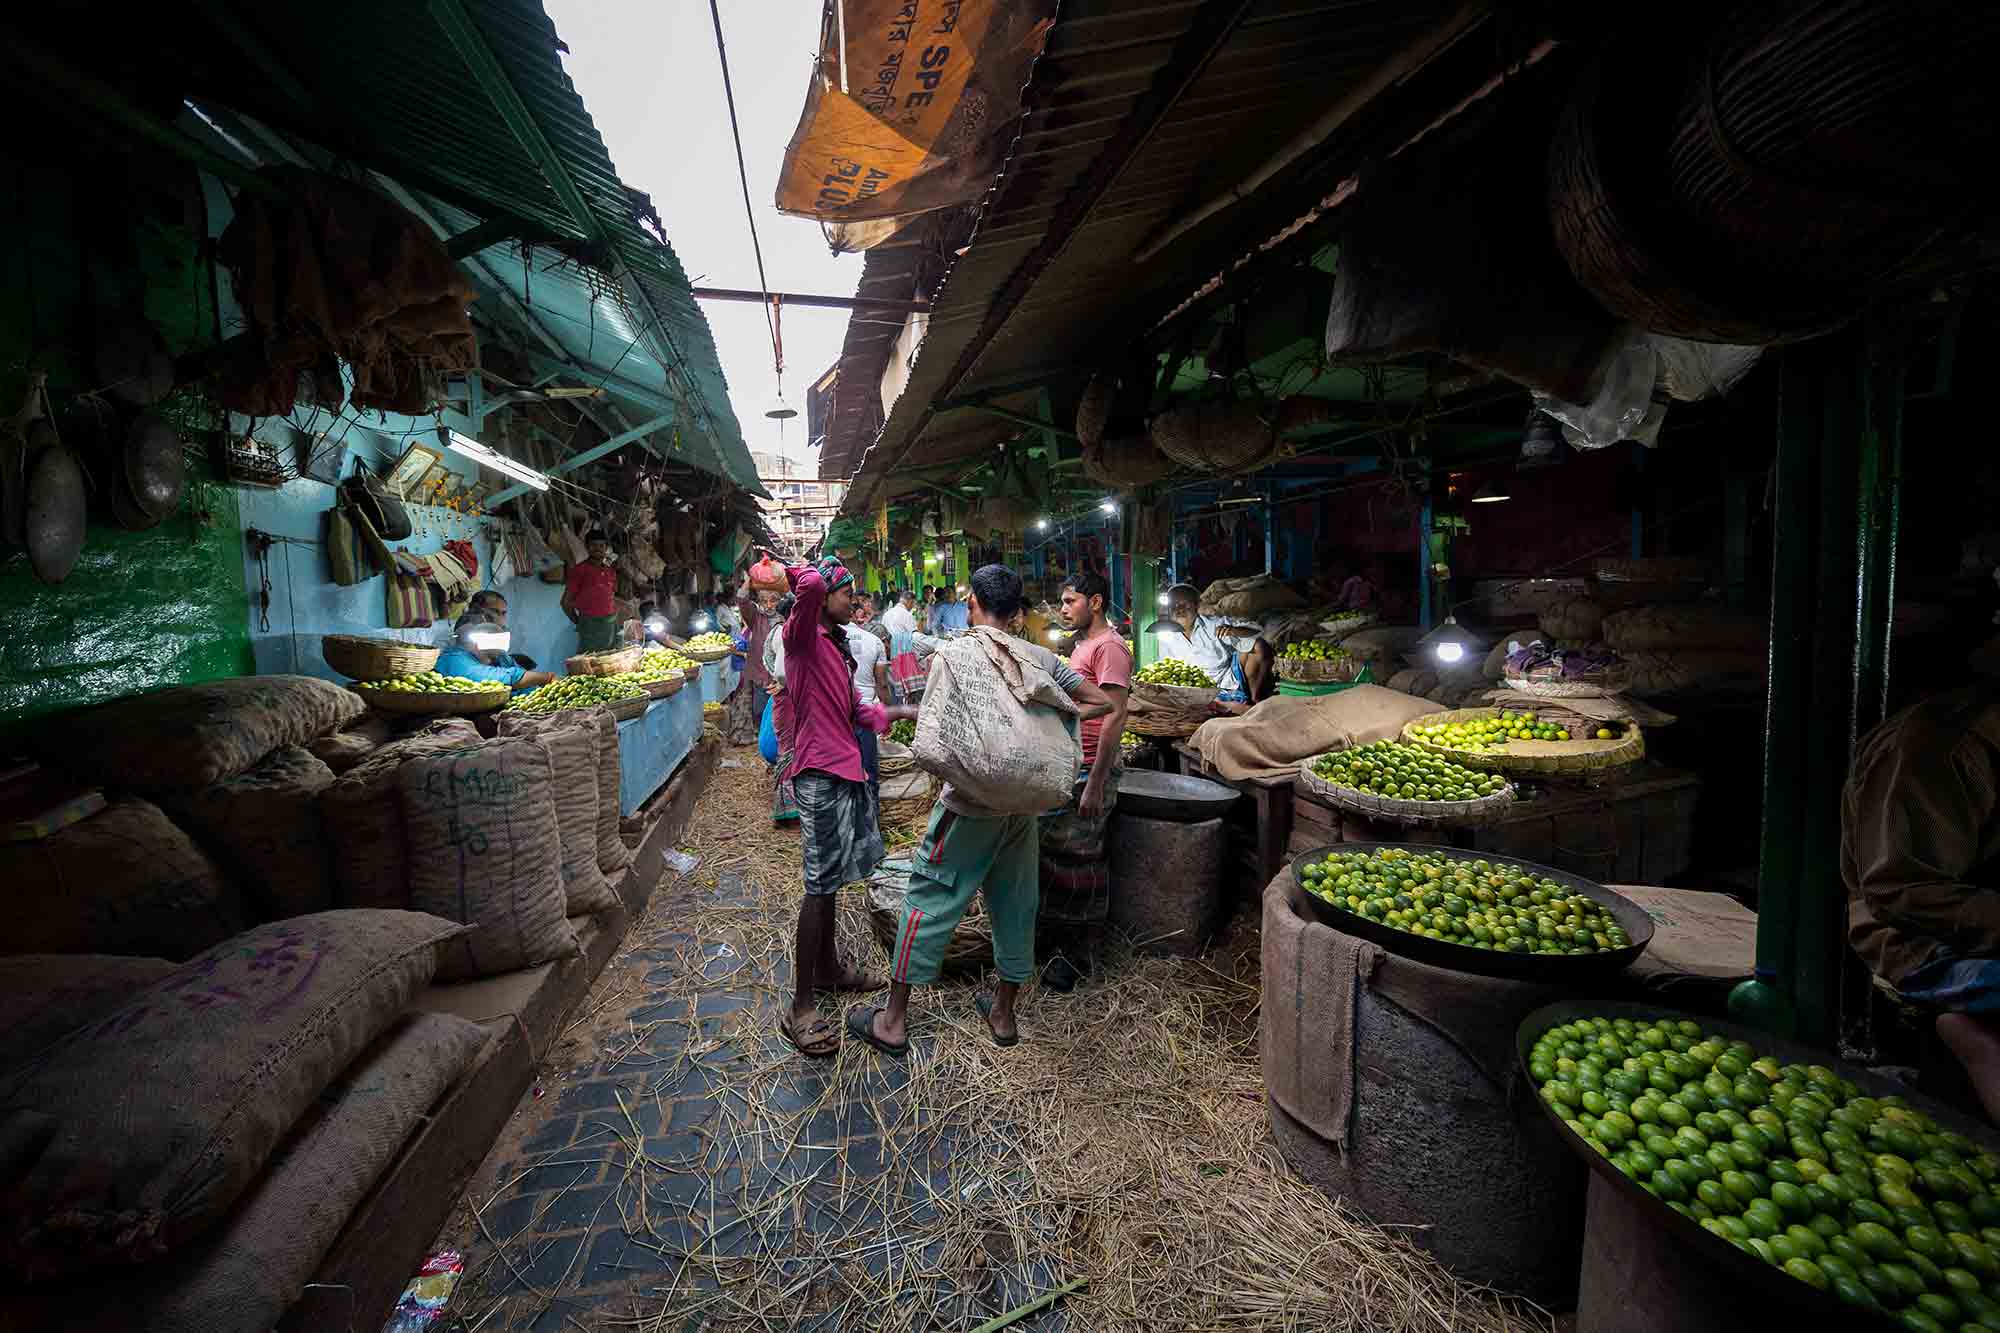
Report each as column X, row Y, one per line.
column 590, row 455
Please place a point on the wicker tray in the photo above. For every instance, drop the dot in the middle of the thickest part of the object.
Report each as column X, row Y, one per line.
column 970, row 948
column 1558, row 689
column 1174, row 696
column 375, row 659
column 609, row 663
column 1329, row 671
column 439, row 704
column 1541, row 757
column 661, row 689
column 626, row 709
column 706, row 655
column 1424, row 814
column 1172, row 731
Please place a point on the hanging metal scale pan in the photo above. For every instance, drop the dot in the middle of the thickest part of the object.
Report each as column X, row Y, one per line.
column 55, row 520
column 154, row 468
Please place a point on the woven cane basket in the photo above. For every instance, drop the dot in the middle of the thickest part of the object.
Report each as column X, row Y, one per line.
column 1542, row 758
column 1416, row 814
column 363, row 658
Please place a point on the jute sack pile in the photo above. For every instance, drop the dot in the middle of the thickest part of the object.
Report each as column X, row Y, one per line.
column 1271, row 739
column 485, row 850
column 997, row 727
column 44, row 996
column 1248, row 598
column 132, row 1135
column 242, row 1275
column 265, row 825
column 343, row 749
column 193, row 735
column 1571, row 620
column 1647, row 674
column 571, row 741
column 613, row 856
column 127, row 880
column 364, row 822
column 1382, row 646
column 1671, row 629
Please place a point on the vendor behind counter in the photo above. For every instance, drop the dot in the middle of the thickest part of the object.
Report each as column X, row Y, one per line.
column 478, row 651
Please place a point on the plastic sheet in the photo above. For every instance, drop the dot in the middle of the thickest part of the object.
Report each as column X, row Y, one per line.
column 1635, row 380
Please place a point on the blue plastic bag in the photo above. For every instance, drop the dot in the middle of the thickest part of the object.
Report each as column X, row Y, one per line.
column 767, row 733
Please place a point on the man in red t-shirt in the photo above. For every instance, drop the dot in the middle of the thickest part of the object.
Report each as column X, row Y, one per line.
column 590, row 596
column 1076, row 883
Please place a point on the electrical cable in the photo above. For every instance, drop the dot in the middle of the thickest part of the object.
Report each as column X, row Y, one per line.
column 743, row 175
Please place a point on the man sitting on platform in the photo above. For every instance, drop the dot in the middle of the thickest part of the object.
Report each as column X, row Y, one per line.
column 479, row 652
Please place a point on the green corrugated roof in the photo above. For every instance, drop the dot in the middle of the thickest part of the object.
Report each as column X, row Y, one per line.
column 467, row 102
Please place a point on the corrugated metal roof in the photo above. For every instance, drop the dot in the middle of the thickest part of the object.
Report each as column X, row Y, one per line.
column 1049, row 274
column 424, row 92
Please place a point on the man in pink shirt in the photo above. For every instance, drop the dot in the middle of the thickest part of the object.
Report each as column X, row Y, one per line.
column 839, row 833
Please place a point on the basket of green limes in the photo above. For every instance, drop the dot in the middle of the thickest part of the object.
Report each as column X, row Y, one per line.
column 1809, row 1185
column 1317, row 661
column 1522, row 741
column 428, row 693
column 1406, row 784
column 1171, row 683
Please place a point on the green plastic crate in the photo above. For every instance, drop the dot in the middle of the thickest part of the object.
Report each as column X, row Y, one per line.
column 1309, row 689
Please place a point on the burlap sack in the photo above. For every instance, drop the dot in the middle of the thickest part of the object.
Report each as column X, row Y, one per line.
column 342, row 750
column 484, row 850
column 1644, row 675
column 613, row 856
column 1270, row 739
column 571, row 740
column 265, row 825
column 193, row 735
column 1418, row 681
column 364, row 821
column 997, row 727
column 127, row 880
column 1248, row 598
column 1495, row 665
column 1571, row 620
column 241, row 1276
column 1696, row 936
column 165, row 1109
column 1670, row 629
column 44, row 996
column 1382, row 646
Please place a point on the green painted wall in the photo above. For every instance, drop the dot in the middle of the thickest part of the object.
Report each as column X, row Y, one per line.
column 140, row 610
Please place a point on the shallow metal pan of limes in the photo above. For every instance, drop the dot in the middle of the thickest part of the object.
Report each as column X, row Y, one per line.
column 1557, row 969
column 1802, row 1297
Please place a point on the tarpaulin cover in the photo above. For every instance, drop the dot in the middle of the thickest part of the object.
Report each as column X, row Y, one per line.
column 908, row 107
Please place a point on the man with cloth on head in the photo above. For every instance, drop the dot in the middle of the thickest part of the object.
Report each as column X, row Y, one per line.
column 967, row 848
column 839, row 835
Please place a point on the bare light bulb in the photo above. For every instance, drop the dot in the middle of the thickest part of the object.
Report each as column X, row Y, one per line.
column 1450, row 651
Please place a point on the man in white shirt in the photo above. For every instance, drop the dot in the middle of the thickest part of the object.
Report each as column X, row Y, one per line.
column 871, row 682
column 900, row 618
column 1199, row 643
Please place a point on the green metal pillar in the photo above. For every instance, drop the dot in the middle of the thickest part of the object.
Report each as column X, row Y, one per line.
column 1832, row 586
column 961, row 562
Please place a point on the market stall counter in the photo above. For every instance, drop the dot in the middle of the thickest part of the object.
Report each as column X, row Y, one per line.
column 652, row 745
column 718, row 680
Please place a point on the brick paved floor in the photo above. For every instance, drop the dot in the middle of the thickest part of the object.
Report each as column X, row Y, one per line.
column 668, row 1182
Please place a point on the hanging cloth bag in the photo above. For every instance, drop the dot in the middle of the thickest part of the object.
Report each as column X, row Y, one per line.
column 349, row 555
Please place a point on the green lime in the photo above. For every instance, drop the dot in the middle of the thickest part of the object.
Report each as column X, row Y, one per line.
column 1808, row 1272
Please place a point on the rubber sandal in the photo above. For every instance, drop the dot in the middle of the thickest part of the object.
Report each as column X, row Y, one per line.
column 810, row 1046
column 861, row 1027
column 984, row 1003
column 870, row 983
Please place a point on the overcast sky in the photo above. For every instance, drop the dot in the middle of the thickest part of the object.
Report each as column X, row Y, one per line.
column 648, row 72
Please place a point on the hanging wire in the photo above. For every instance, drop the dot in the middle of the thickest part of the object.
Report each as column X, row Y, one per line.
column 743, row 175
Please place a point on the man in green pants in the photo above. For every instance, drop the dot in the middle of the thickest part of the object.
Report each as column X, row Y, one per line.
column 590, row 596
column 964, row 848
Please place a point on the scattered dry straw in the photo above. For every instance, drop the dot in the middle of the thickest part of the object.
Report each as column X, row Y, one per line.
column 1123, row 1142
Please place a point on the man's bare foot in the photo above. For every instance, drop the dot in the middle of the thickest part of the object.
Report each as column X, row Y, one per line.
column 1976, row 1043
column 892, row 1028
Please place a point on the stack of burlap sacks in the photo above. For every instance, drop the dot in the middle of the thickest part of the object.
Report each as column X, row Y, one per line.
column 203, row 1105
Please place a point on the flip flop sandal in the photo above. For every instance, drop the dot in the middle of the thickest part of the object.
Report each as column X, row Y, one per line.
column 984, row 1003
column 808, row 1045
column 861, row 1027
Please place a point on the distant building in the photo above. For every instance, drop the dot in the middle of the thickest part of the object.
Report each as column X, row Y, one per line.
column 801, row 505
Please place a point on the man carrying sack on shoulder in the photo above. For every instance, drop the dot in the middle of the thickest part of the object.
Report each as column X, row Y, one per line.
column 590, row 596
column 999, row 724
column 839, row 835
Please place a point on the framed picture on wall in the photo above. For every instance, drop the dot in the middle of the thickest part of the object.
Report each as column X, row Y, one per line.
column 434, row 475
column 410, row 469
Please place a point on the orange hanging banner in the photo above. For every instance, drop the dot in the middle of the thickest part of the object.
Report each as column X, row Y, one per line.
column 907, row 108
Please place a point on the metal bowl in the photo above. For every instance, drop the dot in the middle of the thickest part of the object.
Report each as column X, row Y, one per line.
column 1142, row 791
column 1809, row 1302
column 1554, row 969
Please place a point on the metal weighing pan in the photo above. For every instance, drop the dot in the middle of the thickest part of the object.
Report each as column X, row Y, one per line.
column 153, row 467
column 55, row 514
column 1809, row 1301
column 1154, row 795
column 1564, row 969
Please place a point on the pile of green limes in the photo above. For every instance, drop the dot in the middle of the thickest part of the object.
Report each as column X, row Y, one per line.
column 902, row 731
column 1127, row 740
column 576, row 692
column 1485, row 733
column 1173, row 671
column 1409, row 772
column 664, row 660
column 1314, row 650
column 1479, row 904
column 430, row 682
column 710, row 640
column 1866, row 1197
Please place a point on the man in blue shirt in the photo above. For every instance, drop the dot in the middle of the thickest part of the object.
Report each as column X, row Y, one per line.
column 480, row 653
column 949, row 614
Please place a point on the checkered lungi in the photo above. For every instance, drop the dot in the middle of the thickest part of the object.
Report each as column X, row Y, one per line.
column 840, row 833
